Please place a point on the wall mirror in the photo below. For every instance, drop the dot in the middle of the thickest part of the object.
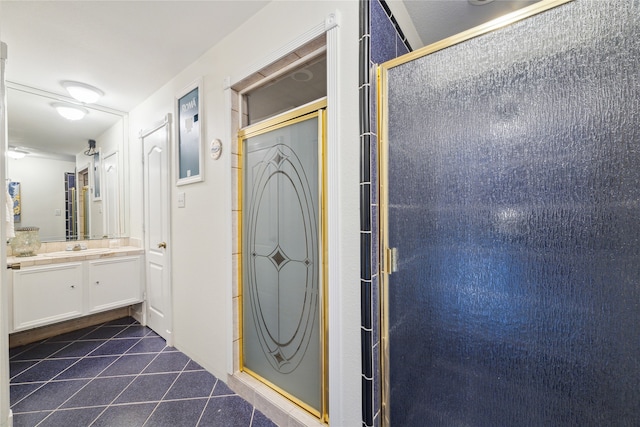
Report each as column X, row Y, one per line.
column 57, row 176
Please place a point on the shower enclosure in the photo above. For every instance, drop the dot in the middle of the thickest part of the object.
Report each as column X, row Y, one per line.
column 511, row 196
column 283, row 320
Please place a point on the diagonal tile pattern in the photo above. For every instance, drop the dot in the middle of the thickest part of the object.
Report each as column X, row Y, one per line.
column 119, row 374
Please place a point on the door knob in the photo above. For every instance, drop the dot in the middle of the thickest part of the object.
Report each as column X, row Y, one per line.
column 162, row 245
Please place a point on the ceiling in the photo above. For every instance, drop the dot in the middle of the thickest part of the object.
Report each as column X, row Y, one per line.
column 129, row 49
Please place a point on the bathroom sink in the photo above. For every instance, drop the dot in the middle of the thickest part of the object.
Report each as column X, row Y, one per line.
column 77, row 253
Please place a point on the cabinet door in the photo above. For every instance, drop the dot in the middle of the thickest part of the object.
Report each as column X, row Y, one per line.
column 114, row 283
column 46, row 294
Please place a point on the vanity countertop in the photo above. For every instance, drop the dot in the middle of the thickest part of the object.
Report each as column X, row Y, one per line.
column 72, row 256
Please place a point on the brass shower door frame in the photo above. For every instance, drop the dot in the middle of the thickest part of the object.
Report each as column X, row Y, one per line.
column 315, row 109
column 387, row 260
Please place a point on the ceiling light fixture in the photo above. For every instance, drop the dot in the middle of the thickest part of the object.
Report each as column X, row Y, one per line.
column 83, row 92
column 303, row 75
column 15, row 153
column 479, row 2
column 70, row 112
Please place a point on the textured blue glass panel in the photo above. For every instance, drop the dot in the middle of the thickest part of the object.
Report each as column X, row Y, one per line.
column 401, row 48
column 514, row 192
column 383, row 35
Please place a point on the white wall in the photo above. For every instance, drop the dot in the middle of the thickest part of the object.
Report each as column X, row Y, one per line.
column 201, row 232
column 42, row 193
column 111, row 139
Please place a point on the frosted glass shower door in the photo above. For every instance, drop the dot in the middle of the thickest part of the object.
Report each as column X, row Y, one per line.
column 281, row 294
column 513, row 199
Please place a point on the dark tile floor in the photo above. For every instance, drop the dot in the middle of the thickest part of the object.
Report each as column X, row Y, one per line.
column 119, row 374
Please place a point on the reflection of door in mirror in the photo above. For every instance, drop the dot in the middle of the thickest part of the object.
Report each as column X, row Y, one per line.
column 83, row 203
column 111, row 196
column 96, row 206
column 85, row 211
column 70, row 206
column 97, row 172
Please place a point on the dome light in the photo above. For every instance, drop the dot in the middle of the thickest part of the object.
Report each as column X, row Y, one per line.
column 15, row 153
column 70, row 112
column 83, row 92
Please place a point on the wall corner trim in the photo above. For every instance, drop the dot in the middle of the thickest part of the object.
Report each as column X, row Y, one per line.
column 332, row 20
column 338, row 412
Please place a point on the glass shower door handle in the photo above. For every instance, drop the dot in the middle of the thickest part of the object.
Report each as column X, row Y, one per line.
column 390, row 260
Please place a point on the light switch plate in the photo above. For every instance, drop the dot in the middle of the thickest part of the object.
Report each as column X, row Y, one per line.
column 181, row 201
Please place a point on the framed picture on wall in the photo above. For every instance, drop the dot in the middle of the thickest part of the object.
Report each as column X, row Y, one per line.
column 14, row 192
column 189, row 134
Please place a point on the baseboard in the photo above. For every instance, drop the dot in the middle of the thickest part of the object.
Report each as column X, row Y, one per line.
column 137, row 312
column 37, row 334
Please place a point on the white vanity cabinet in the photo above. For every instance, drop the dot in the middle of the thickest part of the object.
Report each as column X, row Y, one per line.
column 114, row 282
column 47, row 294
column 57, row 291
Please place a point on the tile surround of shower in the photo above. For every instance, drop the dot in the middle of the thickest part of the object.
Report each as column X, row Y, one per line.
column 381, row 39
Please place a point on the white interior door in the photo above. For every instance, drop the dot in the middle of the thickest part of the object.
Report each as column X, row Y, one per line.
column 156, row 228
column 111, row 195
